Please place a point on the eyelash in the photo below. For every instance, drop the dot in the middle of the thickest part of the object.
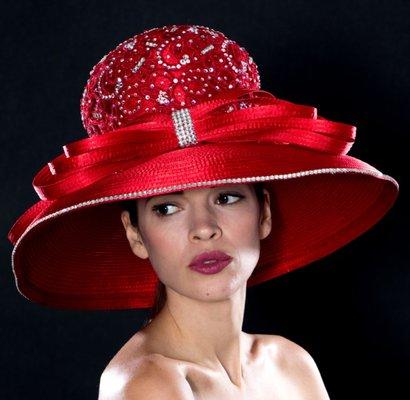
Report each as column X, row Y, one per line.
column 158, row 206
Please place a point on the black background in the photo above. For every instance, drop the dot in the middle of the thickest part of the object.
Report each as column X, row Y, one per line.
column 350, row 59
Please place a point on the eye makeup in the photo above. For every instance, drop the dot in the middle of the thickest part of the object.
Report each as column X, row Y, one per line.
column 156, row 208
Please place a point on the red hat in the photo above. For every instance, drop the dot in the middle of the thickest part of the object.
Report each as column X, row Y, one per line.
column 176, row 108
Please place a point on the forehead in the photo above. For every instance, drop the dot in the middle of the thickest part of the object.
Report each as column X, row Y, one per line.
column 211, row 188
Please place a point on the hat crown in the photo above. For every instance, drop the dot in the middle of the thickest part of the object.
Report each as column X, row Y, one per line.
column 163, row 70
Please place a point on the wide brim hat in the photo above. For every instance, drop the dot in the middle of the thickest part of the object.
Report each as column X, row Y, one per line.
column 70, row 248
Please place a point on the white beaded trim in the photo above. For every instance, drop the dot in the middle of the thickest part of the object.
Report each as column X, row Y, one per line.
column 184, row 127
column 195, row 184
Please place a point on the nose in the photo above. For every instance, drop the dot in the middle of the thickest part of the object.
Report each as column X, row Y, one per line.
column 205, row 227
column 204, row 234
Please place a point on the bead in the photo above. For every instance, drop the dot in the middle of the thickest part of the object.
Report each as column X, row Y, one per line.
column 184, row 128
column 123, row 84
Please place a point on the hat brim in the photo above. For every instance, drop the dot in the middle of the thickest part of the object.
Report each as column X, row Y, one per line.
column 73, row 253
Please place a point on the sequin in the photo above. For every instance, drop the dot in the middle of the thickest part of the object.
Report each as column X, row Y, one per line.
column 191, row 64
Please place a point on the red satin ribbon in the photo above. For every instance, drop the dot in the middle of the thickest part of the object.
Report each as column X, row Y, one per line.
column 273, row 120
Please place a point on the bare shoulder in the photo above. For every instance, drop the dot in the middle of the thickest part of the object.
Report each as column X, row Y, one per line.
column 298, row 367
column 148, row 377
column 281, row 348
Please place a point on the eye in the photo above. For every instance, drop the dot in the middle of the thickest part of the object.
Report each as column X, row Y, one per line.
column 230, row 195
column 157, row 208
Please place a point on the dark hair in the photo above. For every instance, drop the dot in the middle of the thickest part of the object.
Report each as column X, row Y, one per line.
column 161, row 294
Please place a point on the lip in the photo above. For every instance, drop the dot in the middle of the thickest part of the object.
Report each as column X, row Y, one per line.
column 217, row 255
column 221, row 261
column 212, row 268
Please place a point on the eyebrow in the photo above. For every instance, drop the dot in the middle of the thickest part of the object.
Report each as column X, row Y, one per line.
column 147, row 199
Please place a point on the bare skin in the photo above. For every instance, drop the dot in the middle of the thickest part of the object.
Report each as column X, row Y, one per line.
column 274, row 368
column 196, row 343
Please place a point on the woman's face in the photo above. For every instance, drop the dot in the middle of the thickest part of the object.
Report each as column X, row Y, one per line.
column 174, row 228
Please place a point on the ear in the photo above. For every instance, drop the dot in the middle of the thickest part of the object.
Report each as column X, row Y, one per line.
column 134, row 236
column 265, row 220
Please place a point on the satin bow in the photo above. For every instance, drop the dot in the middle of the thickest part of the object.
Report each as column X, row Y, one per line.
column 269, row 119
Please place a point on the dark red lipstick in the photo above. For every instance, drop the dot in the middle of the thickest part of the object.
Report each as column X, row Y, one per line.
column 210, row 262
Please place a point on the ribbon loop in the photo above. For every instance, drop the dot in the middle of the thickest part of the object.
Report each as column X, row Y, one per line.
column 240, row 115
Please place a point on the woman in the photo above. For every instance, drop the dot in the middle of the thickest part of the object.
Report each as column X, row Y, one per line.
column 194, row 346
column 191, row 168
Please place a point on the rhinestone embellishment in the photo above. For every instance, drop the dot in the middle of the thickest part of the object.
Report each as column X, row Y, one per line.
column 161, row 70
column 184, row 127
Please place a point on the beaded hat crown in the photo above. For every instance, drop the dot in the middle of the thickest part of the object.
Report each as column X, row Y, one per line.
column 162, row 70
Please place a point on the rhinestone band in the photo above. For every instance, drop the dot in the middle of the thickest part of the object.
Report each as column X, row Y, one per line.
column 184, row 127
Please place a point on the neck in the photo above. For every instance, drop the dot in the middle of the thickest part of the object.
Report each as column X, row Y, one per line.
column 204, row 332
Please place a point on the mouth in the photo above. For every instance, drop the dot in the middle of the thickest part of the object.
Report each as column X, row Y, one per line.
column 209, row 261
column 209, row 258
column 209, row 267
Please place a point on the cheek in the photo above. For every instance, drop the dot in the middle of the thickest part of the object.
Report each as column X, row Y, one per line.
column 165, row 249
column 245, row 238
column 244, row 227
